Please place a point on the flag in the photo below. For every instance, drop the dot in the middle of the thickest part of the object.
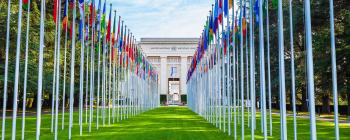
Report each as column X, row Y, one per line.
column 87, row 29
column 220, row 11
column 121, row 38
column 274, row 4
column 92, row 12
column 81, row 8
column 211, row 32
column 99, row 19
column 256, row 11
column 224, row 39
column 118, row 33
column 81, row 21
column 109, row 25
column 65, row 15
column 226, row 7
column 244, row 22
column 80, row 30
column 25, row 5
column 103, row 20
column 215, row 15
column 113, row 32
column 55, row 4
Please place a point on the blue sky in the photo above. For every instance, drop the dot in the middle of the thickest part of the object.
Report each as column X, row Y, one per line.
column 163, row 18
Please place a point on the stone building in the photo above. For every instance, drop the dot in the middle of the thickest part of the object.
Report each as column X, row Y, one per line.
column 171, row 57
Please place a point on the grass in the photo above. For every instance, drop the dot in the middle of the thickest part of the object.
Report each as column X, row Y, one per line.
column 169, row 123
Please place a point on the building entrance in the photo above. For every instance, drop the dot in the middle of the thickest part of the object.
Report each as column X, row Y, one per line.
column 174, row 96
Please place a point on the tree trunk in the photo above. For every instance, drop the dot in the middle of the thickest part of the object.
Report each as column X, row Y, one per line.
column 326, row 108
column 303, row 100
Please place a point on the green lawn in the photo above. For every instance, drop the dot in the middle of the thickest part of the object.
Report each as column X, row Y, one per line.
column 170, row 123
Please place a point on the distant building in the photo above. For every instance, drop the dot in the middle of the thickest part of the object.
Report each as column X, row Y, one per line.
column 171, row 57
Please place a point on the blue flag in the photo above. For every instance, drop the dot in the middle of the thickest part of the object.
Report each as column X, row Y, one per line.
column 226, row 7
column 256, row 11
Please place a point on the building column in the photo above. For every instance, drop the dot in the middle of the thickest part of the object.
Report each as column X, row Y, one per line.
column 163, row 76
column 183, row 77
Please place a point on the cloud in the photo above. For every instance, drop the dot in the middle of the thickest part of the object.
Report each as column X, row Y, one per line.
column 164, row 18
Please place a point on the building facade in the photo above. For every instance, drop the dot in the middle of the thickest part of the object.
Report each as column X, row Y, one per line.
column 171, row 57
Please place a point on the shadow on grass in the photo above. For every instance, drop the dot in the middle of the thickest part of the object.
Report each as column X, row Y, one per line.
column 169, row 123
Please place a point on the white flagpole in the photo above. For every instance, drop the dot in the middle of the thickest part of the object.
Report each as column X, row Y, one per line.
column 92, row 57
column 110, row 71
column 98, row 68
column 292, row 69
column 40, row 72
column 64, row 69
column 262, row 69
column 58, row 67
column 282, row 72
column 252, row 55
column 114, row 78
column 234, row 73
column 6, row 70
column 87, row 74
column 334, row 71
column 54, row 74
column 87, row 69
column 268, row 64
column 81, row 86
column 25, row 73
column 242, row 71
column 18, row 52
column 71, row 96
column 310, row 70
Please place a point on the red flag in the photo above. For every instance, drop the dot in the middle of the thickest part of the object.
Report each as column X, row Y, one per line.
column 55, row 11
column 92, row 13
column 220, row 11
column 109, row 26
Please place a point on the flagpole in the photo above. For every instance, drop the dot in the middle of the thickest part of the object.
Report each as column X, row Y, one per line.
column 81, row 75
column 53, row 94
column 310, row 70
column 58, row 68
column 120, row 35
column 292, row 69
column 234, row 71
column 87, row 67
column 71, row 97
column 64, row 69
column 40, row 72
column 25, row 73
column 18, row 51
column 87, row 70
column 242, row 70
column 282, row 72
column 92, row 57
column 103, row 69
column 334, row 71
column 262, row 69
column 268, row 64
column 4, row 106
column 110, row 69
column 98, row 66
column 252, row 55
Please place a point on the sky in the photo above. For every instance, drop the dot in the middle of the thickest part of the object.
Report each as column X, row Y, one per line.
column 163, row 18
